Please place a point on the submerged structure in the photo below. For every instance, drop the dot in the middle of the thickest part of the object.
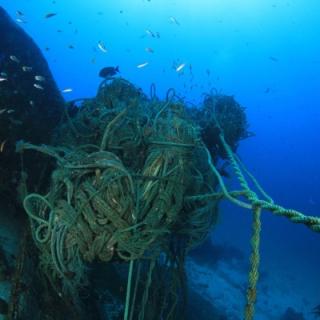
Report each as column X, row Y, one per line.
column 129, row 184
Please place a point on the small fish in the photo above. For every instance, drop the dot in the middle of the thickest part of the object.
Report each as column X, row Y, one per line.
column 67, row 90
column 107, row 72
column 150, row 33
column 19, row 13
column 3, row 74
column 14, row 59
column 2, row 145
column 150, row 50
column 180, row 67
column 2, row 111
column 10, row 111
column 3, row 79
column 40, row 78
column 38, row 86
column 174, row 20
column 142, row 65
column 20, row 20
column 267, row 90
column 31, row 102
column 274, row 59
column 26, row 69
column 102, row 47
column 70, row 46
column 50, row 15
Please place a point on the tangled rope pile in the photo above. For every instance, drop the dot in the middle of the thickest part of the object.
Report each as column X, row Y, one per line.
column 119, row 185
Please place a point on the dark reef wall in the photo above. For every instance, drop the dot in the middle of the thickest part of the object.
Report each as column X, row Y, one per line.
column 26, row 112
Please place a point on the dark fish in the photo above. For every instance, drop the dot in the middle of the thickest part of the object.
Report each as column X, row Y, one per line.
column 267, row 90
column 108, row 71
column 273, row 59
column 50, row 15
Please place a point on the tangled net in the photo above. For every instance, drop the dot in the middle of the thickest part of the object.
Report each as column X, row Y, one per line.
column 123, row 169
column 221, row 114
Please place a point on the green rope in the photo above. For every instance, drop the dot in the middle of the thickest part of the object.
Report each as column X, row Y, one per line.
column 108, row 128
column 223, row 187
column 254, row 180
column 145, row 296
column 127, row 304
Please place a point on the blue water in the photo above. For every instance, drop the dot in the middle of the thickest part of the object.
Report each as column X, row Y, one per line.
column 265, row 53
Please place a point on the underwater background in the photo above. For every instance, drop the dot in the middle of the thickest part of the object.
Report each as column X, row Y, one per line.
column 266, row 54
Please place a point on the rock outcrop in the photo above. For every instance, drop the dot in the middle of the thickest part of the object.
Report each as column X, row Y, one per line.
column 29, row 109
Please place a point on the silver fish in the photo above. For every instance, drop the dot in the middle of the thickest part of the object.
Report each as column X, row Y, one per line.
column 67, row 90
column 21, row 20
column 174, row 20
column 40, row 78
column 180, row 67
column 38, row 86
column 102, row 47
column 142, row 65
column 14, row 59
column 26, row 69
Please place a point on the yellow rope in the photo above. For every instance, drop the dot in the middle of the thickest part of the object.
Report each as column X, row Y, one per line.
column 254, row 264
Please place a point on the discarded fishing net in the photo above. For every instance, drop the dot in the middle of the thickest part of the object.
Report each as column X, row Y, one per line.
column 124, row 165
